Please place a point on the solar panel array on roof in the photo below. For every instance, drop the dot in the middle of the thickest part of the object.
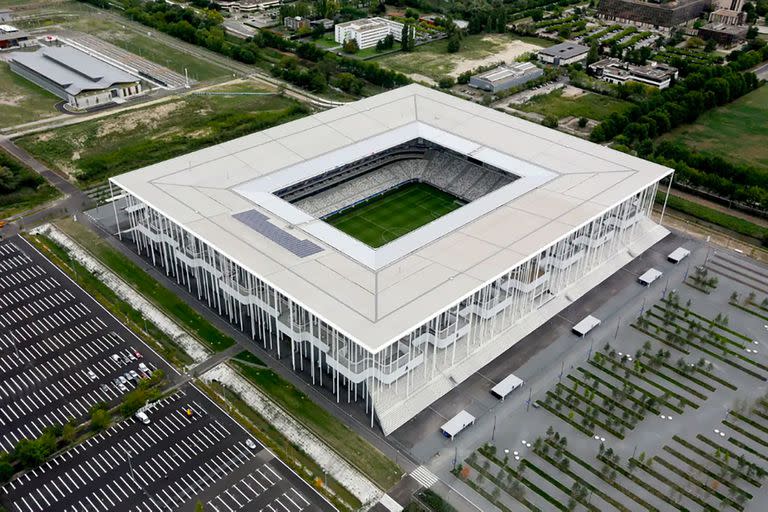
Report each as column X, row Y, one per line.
column 260, row 223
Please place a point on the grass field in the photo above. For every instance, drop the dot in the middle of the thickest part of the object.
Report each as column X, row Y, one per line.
column 433, row 60
column 714, row 217
column 744, row 121
column 151, row 48
column 21, row 101
column 30, row 188
column 96, row 149
column 589, row 105
column 146, row 285
column 369, row 460
column 394, row 213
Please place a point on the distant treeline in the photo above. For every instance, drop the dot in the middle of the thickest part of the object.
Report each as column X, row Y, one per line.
column 739, row 182
column 682, row 103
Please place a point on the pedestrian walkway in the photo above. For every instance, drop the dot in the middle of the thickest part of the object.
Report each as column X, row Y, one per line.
column 424, row 476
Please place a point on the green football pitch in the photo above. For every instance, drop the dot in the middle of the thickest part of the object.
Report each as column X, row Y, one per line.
column 392, row 214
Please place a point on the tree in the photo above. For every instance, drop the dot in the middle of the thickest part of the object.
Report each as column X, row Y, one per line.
column 350, row 46
column 454, row 43
column 199, row 507
column 100, row 419
column 583, row 122
column 550, row 121
column 446, row 82
column 407, row 43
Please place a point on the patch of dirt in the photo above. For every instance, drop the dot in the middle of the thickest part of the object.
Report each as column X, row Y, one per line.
column 507, row 54
column 11, row 101
column 147, row 118
column 421, row 78
column 570, row 91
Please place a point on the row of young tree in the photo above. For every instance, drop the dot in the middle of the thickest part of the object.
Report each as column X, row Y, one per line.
column 738, row 182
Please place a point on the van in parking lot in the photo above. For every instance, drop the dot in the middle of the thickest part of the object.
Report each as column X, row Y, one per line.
column 117, row 359
column 144, row 368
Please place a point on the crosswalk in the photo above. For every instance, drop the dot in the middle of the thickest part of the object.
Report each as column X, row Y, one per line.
column 424, row 476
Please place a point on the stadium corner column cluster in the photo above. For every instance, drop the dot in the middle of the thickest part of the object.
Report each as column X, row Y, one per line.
column 541, row 218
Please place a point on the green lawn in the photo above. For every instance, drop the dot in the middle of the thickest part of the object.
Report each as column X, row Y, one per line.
column 392, row 214
column 21, row 101
column 146, row 285
column 711, row 216
column 589, row 105
column 94, row 150
column 369, row 460
column 29, row 190
column 737, row 131
column 433, row 60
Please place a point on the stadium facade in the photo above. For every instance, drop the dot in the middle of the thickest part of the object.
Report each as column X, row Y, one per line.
column 544, row 217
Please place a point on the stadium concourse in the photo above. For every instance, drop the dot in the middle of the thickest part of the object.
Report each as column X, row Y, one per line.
column 395, row 312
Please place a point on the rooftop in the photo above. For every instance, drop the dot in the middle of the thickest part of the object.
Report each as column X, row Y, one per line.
column 72, row 70
column 503, row 72
column 377, row 295
column 565, row 50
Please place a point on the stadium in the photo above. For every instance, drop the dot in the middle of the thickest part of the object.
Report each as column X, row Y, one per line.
column 391, row 247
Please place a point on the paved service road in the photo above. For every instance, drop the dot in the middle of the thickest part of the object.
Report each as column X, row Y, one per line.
column 190, row 451
column 61, row 353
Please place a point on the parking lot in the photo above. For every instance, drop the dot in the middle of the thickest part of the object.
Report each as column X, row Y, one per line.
column 61, row 353
column 189, row 451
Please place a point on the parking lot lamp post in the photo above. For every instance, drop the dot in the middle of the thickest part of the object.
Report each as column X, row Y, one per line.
column 493, row 432
column 591, row 342
column 130, row 466
column 618, row 323
column 455, row 456
column 562, row 367
column 528, row 402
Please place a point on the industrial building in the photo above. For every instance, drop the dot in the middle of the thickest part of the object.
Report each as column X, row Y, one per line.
column 654, row 15
column 545, row 218
column 563, row 54
column 724, row 34
column 368, row 31
column 11, row 37
column 81, row 80
column 615, row 71
column 505, row 77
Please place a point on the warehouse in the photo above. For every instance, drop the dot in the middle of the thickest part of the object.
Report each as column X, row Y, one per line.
column 81, row 80
column 506, row 77
column 563, row 54
column 539, row 219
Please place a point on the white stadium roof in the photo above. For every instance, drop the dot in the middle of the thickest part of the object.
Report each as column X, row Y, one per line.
column 377, row 295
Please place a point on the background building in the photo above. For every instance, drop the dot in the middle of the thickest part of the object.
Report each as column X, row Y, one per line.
column 505, row 77
column 652, row 14
column 368, row 31
column 616, row 71
column 11, row 37
column 564, row 53
column 83, row 81
column 296, row 23
column 546, row 217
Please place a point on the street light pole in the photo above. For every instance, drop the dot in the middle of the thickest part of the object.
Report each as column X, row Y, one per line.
column 493, row 433
column 130, row 466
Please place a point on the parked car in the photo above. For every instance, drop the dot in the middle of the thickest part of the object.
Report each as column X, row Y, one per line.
column 92, row 375
column 142, row 417
column 250, row 444
column 137, row 354
column 117, row 359
column 144, row 368
column 134, row 375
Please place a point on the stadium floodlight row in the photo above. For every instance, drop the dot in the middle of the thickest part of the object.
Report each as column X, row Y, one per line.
column 397, row 326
